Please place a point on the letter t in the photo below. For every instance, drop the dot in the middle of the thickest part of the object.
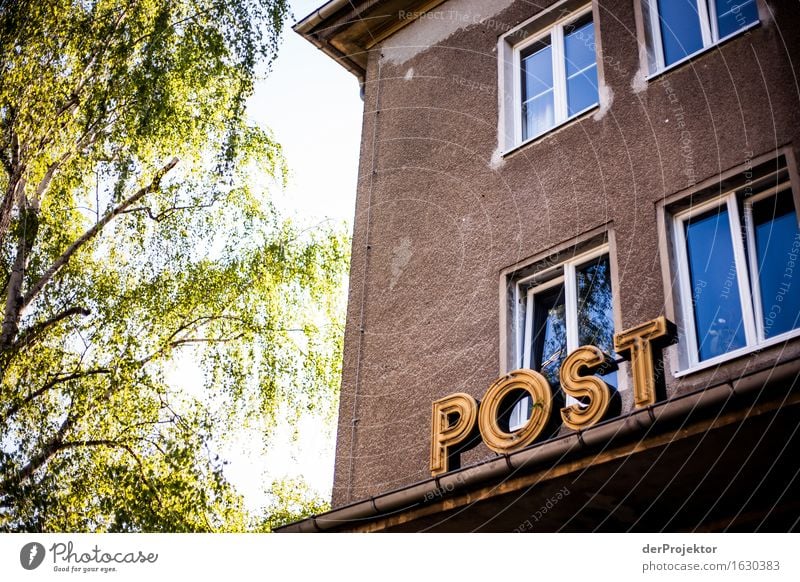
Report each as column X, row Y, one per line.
column 636, row 345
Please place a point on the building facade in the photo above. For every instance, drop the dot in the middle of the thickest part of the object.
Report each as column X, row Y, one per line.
column 540, row 176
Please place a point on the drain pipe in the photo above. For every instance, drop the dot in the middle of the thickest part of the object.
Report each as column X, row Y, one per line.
column 502, row 466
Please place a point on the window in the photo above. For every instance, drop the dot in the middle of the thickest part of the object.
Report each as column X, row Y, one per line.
column 678, row 29
column 551, row 75
column 558, row 309
column 736, row 257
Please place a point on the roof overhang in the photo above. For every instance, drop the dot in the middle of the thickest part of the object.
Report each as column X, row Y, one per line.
column 346, row 30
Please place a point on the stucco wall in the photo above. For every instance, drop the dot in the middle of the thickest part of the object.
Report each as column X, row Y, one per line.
column 440, row 214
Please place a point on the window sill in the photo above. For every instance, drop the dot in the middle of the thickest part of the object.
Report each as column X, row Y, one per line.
column 702, row 51
column 547, row 133
column 735, row 354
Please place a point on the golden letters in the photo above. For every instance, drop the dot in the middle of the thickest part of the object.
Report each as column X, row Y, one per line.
column 590, row 388
column 455, row 416
column 492, row 433
column 636, row 342
column 446, row 435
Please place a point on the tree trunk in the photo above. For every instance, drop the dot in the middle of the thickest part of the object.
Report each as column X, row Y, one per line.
column 28, row 229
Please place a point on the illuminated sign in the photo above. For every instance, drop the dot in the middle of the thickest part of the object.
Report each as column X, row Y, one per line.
column 459, row 419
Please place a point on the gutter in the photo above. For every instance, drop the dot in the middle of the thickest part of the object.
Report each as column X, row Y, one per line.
column 305, row 27
column 319, row 15
column 506, row 465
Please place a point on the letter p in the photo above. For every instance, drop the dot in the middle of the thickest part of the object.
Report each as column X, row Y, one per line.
column 454, row 421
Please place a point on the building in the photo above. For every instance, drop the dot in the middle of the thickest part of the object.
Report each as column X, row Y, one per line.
column 540, row 176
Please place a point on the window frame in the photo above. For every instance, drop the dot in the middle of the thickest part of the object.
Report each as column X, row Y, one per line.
column 509, row 65
column 523, row 337
column 742, row 234
column 709, row 32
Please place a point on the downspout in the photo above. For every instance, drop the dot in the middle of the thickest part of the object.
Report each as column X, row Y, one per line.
column 363, row 302
column 505, row 465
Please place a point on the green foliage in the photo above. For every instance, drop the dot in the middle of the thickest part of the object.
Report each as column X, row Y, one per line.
column 133, row 233
column 290, row 500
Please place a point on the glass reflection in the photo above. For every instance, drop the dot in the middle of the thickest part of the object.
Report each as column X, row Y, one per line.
column 595, row 309
column 538, row 102
column 715, row 285
column 581, row 66
column 680, row 29
column 777, row 238
column 550, row 333
column 520, row 413
column 733, row 15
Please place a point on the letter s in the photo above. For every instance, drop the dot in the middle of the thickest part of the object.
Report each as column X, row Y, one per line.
column 574, row 382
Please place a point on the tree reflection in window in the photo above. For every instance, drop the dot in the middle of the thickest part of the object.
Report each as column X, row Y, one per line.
column 572, row 309
column 550, row 332
column 595, row 309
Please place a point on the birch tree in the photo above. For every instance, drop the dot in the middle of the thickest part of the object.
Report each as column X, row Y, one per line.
column 133, row 237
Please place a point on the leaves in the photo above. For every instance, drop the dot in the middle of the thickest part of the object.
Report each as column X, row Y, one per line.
column 118, row 262
column 290, row 500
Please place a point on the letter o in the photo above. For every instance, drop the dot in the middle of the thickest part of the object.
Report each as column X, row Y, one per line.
column 538, row 388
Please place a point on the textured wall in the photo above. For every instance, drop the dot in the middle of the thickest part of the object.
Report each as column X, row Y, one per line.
column 444, row 214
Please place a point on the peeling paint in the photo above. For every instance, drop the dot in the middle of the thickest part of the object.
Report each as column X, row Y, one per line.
column 639, row 81
column 497, row 161
column 401, row 255
column 438, row 25
column 606, row 100
column 409, row 74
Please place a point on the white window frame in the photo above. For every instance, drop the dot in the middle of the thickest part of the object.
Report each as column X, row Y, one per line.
column 524, row 337
column 747, row 276
column 560, row 105
column 709, row 31
column 516, row 411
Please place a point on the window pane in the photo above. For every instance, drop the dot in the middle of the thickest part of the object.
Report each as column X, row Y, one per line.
column 733, row 15
column 581, row 65
column 537, row 70
column 538, row 115
column 777, row 244
column 537, row 89
column 582, row 91
column 595, row 310
column 680, row 29
column 549, row 333
column 579, row 47
column 714, row 281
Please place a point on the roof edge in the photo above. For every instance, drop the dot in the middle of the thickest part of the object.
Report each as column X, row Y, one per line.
column 347, row 30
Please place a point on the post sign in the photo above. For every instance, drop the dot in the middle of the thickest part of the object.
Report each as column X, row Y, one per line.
column 459, row 419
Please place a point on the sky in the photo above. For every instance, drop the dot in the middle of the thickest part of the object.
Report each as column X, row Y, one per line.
column 313, row 107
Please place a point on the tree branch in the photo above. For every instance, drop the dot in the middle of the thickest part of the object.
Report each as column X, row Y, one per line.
column 30, row 335
column 172, row 209
column 44, row 183
column 112, row 444
column 205, row 340
column 17, row 406
column 172, row 342
column 40, row 459
column 61, row 261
